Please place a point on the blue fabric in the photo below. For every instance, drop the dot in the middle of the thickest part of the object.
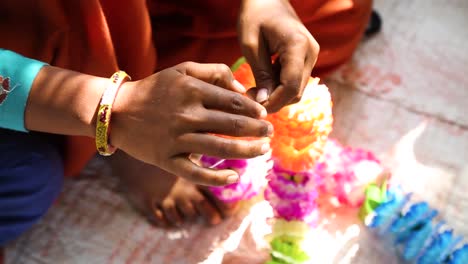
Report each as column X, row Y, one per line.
column 20, row 72
column 31, row 174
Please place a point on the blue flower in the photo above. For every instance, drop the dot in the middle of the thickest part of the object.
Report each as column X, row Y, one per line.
column 459, row 256
column 439, row 248
column 416, row 242
column 389, row 211
column 417, row 215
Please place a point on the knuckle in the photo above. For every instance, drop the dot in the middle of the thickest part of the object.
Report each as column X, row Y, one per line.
column 238, row 125
column 224, row 70
column 195, row 175
column 237, row 102
column 187, row 118
column 250, row 42
column 187, row 64
column 293, row 86
column 192, row 88
column 299, row 38
column 167, row 204
column 315, row 47
column 180, row 81
column 262, row 75
column 222, row 75
column 224, row 147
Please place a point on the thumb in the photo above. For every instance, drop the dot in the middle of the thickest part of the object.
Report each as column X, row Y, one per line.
column 258, row 57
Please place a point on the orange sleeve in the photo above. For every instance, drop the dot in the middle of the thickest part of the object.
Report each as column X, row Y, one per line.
column 92, row 36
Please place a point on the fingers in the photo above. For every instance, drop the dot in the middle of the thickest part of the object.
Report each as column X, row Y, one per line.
column 291, row 79
column 208, row 212
column 158, row 217
column 215, row 74
column 227, row 101
column 225, row 148
column 233, row 125
column 225, row 209
column 256, row 52
column 186, row 169
column 171, row 213
column 187, row 209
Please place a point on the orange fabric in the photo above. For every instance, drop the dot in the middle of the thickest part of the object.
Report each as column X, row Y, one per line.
column 81, row 36
column 99, row 36
column 183, row 30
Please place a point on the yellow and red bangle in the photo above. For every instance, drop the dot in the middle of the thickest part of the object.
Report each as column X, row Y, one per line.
column 105, row 111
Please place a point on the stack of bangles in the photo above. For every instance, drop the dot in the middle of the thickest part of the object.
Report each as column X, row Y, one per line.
column 305, row 165
column 104, row 113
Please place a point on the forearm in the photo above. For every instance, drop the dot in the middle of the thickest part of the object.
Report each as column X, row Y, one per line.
column 63, row 102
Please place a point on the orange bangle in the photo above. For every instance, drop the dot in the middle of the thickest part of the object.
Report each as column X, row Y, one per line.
column 104, row 114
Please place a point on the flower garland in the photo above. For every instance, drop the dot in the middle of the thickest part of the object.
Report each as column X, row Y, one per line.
column 305, row 164
column 410, row 228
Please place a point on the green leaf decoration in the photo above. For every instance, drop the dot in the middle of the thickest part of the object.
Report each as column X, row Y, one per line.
column 238, row 63
column 375, row 196
column 287, row 251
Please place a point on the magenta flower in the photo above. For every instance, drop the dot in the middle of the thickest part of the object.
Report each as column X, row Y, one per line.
column 292, row 195
column 346, row 172
column 252, row 174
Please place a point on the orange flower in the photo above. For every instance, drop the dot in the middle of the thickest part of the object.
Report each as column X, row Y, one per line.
column 301, row 129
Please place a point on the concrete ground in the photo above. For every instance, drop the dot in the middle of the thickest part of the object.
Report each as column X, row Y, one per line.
column 404, row 96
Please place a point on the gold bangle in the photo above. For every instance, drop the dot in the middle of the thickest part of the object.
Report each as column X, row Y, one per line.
column 104, row 114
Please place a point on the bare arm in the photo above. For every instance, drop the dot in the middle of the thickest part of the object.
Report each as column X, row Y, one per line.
column 64, row 102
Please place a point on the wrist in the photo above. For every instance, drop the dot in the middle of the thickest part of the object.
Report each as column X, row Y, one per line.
column 64, row 102
column 87, row 109
column 119, row 114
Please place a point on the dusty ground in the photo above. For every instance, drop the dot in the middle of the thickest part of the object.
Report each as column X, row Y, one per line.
column 404, row 96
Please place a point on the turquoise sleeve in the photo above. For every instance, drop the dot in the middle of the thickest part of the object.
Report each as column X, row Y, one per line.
column 17, row 74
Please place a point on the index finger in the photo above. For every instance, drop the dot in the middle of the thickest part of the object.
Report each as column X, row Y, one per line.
column 214, row 73
column 291, row 81
column 216, row 98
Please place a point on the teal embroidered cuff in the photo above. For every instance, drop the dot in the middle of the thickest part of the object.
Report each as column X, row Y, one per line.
column 17, row 74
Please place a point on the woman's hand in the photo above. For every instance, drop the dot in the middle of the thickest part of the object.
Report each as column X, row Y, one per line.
column 166, row 117
column 268, row 27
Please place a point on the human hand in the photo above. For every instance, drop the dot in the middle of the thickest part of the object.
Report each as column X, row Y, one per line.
column 165, row 118
column 272, row 27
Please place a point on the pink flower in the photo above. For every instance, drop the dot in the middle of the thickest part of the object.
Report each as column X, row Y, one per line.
column 346, row 172
column 292, row 195
column 252, row 174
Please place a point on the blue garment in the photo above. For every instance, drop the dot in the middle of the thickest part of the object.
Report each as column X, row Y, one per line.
column 31, row 174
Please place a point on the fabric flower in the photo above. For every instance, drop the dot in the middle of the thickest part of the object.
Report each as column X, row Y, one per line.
column 252, row 173
column 346, row 172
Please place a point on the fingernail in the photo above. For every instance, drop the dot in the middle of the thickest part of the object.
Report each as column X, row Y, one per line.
column 270, row 130
column 232, row 179
column 238, row 86
column 263, row 113
column 265, row 148
column 262, row 95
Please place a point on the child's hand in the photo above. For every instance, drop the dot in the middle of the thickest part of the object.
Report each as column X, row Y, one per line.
column 164, row 118
column 268, row 27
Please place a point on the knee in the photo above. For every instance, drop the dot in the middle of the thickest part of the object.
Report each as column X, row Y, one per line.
column 31, row 176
